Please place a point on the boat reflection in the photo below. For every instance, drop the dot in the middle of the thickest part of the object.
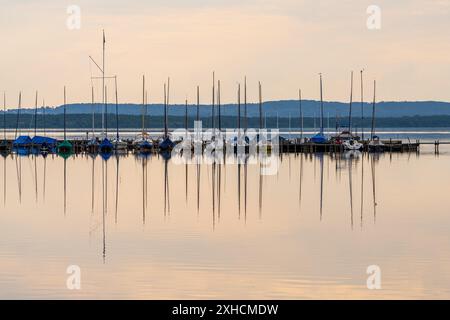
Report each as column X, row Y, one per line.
column 242, row 200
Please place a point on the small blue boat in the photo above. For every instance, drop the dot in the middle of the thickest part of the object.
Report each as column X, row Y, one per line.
column 40, row 141
column 22, row 142
column 319, row 138
column 44, row 144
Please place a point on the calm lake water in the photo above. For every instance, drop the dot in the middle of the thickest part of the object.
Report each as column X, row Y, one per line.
column 151, row 228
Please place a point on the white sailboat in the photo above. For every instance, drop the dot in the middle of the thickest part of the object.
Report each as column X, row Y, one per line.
column 375, row 144
column 348, row 140
column 119, row 144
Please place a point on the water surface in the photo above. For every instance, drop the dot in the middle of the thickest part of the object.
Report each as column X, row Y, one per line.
column 152, row 228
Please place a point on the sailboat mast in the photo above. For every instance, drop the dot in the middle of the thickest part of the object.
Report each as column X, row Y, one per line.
column 4, row 116
column 300, row 112
column 186, row 115
column 35, row 113
column 198, row 103
column 260, row 106
column 350, row 107
column 373, row 109
column 117, row 110
column 362, row 106
column 166, row 127
column 64, row 113
column 93, row 115
column 321, row 105
column 143, row 106
column 213, row 102
column 103, row 83
column 106, row 113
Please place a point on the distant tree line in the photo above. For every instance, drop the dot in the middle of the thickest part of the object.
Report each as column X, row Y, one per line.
column 77, row 121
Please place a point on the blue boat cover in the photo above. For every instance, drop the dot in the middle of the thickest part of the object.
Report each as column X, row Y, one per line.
column 22, row 141
column 38, row 140
column 319, row 138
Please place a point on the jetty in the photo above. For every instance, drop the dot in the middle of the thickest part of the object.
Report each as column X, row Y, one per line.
column 285, row 146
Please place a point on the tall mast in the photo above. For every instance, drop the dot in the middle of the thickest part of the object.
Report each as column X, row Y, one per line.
column 362, row 106
column 35, row 113
column 213, row 101
column 198, row 103
column 165, row 102
column 117, row 109
column 64, row 113
column 300, row 112
column 321, row 104
column 106, row 113
column 93, row 115
column 143, row 106
column 103, row 82
column 186, row 115
column 260, row 106
column 350, row 107
column 373, row 109
column 166, row 126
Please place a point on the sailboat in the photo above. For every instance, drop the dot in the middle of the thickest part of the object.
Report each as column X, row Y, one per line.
column 142, row 144
column 166, row 144
column 20, row 143
column 348, row 140
column 92, row 145
column 106, row 147
column 41, row 144
column 375, row 144
column 65, row 147
column 119, row 145
column 320, row 137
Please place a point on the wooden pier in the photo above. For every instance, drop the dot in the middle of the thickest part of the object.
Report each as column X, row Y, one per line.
column 286, row 146
column 309, row 147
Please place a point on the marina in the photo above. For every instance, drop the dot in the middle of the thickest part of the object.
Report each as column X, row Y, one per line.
column 130, row 145
column 224, row 158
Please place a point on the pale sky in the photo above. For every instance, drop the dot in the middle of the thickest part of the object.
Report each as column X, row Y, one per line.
column 282, row 43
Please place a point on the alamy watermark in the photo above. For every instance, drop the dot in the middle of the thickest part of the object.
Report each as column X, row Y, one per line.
column 374, row 280
column 73, row 21
column 73, row 281
column 374, row 20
